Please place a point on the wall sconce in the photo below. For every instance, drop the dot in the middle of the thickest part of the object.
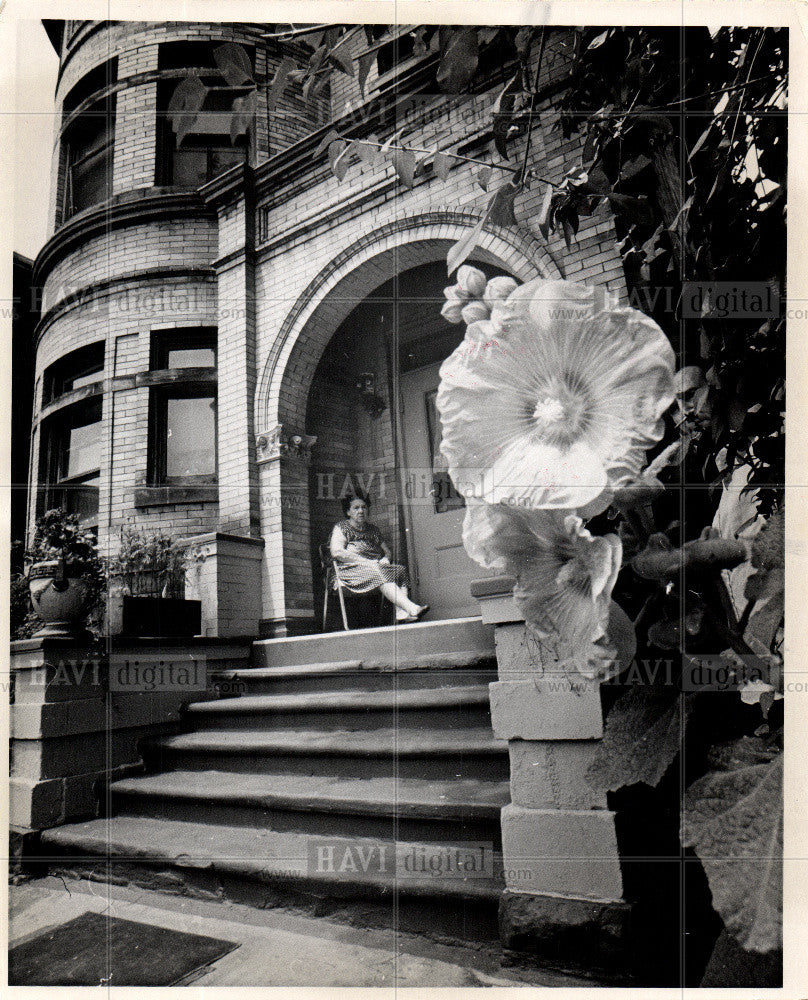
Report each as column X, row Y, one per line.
column 371, row 401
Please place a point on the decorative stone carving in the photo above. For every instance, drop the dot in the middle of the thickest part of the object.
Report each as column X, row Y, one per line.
column 274, row 443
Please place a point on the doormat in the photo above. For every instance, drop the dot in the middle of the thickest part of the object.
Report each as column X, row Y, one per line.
column 94, row 949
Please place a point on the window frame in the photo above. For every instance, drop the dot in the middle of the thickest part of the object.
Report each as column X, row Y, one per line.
column 56, row 434
column 79, row 152
column 198, row 383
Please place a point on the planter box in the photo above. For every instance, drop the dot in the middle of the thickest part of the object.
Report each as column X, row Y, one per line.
column 161, row 616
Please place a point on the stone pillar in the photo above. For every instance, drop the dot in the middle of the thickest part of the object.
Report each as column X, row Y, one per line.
column 224, row 573
column 563, row 900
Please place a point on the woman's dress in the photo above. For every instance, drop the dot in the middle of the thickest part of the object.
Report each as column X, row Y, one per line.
column 360, row 571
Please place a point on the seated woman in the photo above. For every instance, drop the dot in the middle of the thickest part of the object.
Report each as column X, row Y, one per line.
column 363, row 559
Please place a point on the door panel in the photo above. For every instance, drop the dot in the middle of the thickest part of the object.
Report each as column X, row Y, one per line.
column 442, row 572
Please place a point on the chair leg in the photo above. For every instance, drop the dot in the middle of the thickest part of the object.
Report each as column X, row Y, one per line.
column 325, row 607
column 344, row 613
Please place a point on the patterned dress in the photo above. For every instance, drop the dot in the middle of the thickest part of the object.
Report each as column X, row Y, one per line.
column 362, row 572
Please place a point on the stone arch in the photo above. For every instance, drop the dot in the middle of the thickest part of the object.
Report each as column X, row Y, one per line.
column 283, row 389
column 354, row 273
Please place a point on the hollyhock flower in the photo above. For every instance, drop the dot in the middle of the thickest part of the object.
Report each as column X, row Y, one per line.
column 564, row 575
column 562, row 402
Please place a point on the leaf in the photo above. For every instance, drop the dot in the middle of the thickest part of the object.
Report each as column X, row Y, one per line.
column 483, row 177
column 687, row 379
column 338, row 158
column 487, row 35
column 642, row 737
column 285, row 68
column 185, row 104
column 325, row 142
column 500, row 208
column 598, row 40
column 634, row 166
column 367, row 153
column 459, row 62
column 733, row 819
column 442, row 163
column 700, row 141
column 544, row 214
column 404, row 162
column 343, row 62
column 244, row 111
column 234, row 63
column 365, row 62
column 459, row 251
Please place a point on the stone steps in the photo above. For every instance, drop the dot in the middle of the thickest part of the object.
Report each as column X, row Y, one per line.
column 449, row 707
column 371, row 748
column 430, row 754
column 471, row 667
column 396, row 884
column 381, row 807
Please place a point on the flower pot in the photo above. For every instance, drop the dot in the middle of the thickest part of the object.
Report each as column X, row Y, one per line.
column 60, row 599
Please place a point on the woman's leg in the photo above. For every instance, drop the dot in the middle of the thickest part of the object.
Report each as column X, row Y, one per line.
column 397, row 596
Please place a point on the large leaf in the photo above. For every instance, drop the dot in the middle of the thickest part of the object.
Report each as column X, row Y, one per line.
column 244, row 110
column 733, row 819
column 234, row 64
column 459, row 251
column 404, row 162
column 459, row 62
column 286, row 66
column 365, row 63
column 325, row 142
column 342, row 61
column 500, row 208
column 643, row 735
column 185, row 104
column 441, row 163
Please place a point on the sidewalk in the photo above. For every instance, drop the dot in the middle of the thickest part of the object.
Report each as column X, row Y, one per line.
column 277, row 947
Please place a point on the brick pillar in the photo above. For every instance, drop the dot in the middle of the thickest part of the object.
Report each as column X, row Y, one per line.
column 284, row 459
column 231, row 195
column 564, row 892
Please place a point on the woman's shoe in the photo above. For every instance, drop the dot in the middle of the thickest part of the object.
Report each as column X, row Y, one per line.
column 413, row 618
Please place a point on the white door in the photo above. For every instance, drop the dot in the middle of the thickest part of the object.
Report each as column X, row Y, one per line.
column 442, row 572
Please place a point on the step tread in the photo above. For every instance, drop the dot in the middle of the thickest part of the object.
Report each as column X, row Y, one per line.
column 470, row 694
column 363, row 796
column 422, row 743
column 261, row 853
column 433, row 661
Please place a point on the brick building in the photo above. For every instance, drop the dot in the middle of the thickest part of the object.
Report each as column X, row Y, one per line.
column 208, row 310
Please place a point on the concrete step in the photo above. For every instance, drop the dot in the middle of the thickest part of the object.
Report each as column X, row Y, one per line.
column 431, row 670
column 447, row 708
column 472, row 753
column 436, row 889
column 405, row 808
column 391, row 644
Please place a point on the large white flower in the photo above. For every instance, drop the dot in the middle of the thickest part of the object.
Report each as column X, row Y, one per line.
column 558, row 401
column 564, row 576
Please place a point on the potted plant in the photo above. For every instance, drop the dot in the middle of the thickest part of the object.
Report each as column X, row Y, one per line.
column 65, row 574
column 148, row 574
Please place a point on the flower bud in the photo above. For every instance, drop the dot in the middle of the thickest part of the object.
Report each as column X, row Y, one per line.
column 481, row 331
column 452, row 311
column 453, row 293
column 498, row 289
column 472, row 281
column 475, row 311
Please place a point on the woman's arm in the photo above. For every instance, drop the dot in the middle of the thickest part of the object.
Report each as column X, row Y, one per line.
column 387, row 553
column 338, row 543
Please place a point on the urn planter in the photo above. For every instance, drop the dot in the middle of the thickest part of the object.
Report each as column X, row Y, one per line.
column 60, row 595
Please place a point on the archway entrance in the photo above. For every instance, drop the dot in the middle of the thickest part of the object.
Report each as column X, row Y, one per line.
column 372, row 408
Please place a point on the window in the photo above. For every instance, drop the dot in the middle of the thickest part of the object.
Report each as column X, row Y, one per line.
column 89, row 144
column 72, row 460
column 75, row 370
column 183, row 408
column 88, row 140
column 207, row 150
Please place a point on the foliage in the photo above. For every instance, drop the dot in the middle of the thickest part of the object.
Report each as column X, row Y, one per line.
column 23, row 619
column 149, row 563
column 58, row 536
column 683, row 140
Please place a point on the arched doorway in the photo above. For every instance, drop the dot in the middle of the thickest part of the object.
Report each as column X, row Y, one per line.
column 372, row 408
